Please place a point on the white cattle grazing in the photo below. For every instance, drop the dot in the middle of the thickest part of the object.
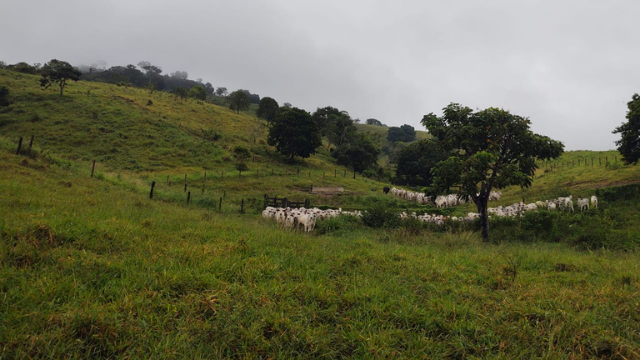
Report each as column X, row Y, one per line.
column 551, row 206
column 583, row 204
column 594, row 202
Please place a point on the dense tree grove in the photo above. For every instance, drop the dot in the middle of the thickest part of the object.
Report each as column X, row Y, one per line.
column 294, row 133
column 359, row 152
column 405, row 133
column 629, row 143
column 416, row 160
column 486, row 150
column 58, row 72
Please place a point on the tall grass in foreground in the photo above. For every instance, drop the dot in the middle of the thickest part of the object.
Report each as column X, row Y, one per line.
column 92, row 269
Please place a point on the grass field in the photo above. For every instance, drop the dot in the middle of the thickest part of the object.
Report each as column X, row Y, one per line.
column 92, row 268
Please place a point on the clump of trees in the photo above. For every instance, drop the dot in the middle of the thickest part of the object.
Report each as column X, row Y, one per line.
column 415, row 161
column 629, row 143
column 294, row 133
column 372, row 121
column 486, row 150
column 404, row 133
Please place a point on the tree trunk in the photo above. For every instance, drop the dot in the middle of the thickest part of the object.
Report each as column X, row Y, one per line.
column 61, row 87
column 484, row 218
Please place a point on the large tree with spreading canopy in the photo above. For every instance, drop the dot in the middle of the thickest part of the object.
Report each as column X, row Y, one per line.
column 488, row 149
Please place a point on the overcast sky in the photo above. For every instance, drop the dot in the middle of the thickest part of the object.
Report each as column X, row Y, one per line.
column 570, row 66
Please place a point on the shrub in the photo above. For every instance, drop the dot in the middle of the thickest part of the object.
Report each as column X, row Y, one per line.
column 337, row 225
column 380, row 216
column 4, row 96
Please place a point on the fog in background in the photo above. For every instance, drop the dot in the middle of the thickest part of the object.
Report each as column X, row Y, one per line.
column 570, row 66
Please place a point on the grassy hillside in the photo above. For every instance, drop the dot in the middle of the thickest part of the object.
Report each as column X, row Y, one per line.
column 92, row 268
column 89, row 269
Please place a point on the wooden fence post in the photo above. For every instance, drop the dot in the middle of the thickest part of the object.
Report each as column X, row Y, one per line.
column 220, row 205
column 153, row 184
column 19, row 146
column 93, row 168
column 30, row 144
column 185, row 187
column 307, row 203
column 188, row 197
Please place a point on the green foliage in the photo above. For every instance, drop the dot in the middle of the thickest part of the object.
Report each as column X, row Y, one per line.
column 629, row 143
column 242, row 153
column 294, row 133
column 4, row 96
column 626, row 192
column 488, row 149
column 198, row 92
column 358, row 152
column 380, row 216
column 180, row 93
column 372, row 121
column 239, row 100
column 404, row 133
column 415, row 161
column 24, row 68
column 326, row 117
column 267, row 109
column 58, row 72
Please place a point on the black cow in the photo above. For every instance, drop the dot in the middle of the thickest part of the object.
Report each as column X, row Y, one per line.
column 385, row 189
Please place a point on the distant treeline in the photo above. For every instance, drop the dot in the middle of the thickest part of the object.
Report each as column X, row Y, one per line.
column 144, row 75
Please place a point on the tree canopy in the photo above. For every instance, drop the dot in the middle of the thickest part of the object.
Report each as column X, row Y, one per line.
column 267, row 109
column 405, row 133
column 415, row 161
column 198, row 92
column 239, row 100
column 58, row 72
column 488, row 149
column 629, row 143
column 372, row 121
column 359, row 152
column 294, row 133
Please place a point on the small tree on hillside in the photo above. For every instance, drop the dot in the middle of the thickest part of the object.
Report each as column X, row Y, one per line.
column 58, row 72
column 180, row 93
column 629, row 143
column 359, row 152
column 488, row 149
column 294, row 133
column 198, row 92
column 267, row 109
column 221, row 91
column 239, row 100
column 373, row 122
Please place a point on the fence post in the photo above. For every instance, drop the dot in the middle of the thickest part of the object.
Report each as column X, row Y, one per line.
column 307, row 203
column 298, row 171
column 19, row 146
column 30, row 144
column 93, row 168
column 185, row 187
column 188, row 197
column 242, row 207
column 220, row 204
column 153, row 184
column 354, row 173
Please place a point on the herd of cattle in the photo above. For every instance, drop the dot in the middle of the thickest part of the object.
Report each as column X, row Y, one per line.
column 305, row 219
